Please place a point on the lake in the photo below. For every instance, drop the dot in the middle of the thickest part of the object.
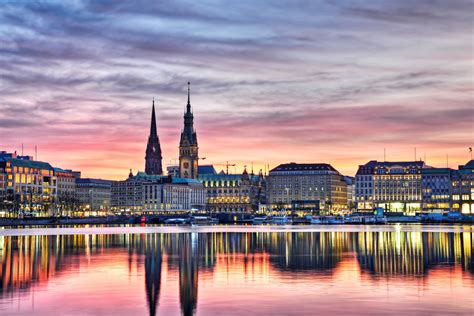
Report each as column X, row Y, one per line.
column 220, row 270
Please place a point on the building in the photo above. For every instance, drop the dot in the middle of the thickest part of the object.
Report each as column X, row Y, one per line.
column 67, row 201
column 94, row 196
column 66, row 182
column 351, row 201
column 232, row 193
column 143, row 193
column 188, row 146
column 463, row 189
column 153, row 158
column 393, row 186
column 305, row 188
column 436, row 189
column 172, row 170
column 28, row 187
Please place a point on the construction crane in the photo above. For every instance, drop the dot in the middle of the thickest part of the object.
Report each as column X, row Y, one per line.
column 227, row 165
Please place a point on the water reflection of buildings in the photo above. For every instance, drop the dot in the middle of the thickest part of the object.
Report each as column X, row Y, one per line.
column 28, row 260
column 153, row 255
column 396, row 253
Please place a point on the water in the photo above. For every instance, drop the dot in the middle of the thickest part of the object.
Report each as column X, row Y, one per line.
column 238, row 270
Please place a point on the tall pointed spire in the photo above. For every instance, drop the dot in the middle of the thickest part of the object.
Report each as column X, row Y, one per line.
column 153, row 149
column 153, row 130
column 188, row 106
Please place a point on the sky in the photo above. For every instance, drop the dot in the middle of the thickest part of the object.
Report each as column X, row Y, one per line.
column 271, row 81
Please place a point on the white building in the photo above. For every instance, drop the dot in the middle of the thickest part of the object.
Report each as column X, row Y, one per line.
column 154, row 193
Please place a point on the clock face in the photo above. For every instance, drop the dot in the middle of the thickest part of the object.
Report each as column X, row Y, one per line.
column 186, row 165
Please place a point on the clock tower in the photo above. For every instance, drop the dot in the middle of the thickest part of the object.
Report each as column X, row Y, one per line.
column 188, row 146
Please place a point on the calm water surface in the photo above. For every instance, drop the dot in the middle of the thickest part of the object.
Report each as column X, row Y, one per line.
column 232, row 273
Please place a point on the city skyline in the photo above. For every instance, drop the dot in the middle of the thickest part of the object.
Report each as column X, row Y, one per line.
column 267, row 87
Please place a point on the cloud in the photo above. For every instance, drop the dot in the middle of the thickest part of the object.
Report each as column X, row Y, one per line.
column 295, row 80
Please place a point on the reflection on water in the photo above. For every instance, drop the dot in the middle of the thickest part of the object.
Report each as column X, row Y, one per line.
column 235, row 272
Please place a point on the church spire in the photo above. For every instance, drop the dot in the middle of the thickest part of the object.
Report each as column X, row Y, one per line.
column 153, row 149
column 153, row 120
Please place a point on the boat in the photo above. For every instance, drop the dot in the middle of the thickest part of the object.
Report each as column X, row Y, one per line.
column 280, row 220
column 313, row 219
column 203, row 220
column 354, row 219
column 334, row 220
column 176, row 221
column 259, row 220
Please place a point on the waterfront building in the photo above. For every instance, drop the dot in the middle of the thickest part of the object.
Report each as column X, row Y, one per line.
column 66, row 201
column 463, row 189
column 351, row 202
column 393, row 186
column 29, row 186
column 94, row 195
column 155, row 194
column 232, row 193
column 436, row 189
column 153, row 156
column 306, row 188
column 188, row 145
column 66, row 182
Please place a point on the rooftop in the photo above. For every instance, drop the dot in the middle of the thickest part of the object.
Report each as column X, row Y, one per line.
column 293, row 166
column 28, row 163
column 206, row 169
column 93, row 181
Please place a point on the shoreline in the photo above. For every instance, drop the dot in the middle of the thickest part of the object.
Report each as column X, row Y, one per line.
column 159, row 220
column 135, row 229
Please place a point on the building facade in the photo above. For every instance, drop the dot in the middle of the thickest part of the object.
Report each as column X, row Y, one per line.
column 188, row 145
column 94, row 196
column 232, row 193
column 153, row 158
column 436, row 189
column 351, row 201
column 463, row 189
column 67, row 201
column 142, row 193
column 318, row 187
column 29, row 186
column 393, row 186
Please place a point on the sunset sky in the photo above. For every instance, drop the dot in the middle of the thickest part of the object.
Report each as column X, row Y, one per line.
column 305, row 81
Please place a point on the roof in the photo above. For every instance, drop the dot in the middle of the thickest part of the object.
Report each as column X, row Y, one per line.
column 151, row 177
column 469, row 165
column 93, row 181
column 293, row 166
column 436, row 170
column 369, row 167
column 206, row 169
column 29, row 163
column 185, row 181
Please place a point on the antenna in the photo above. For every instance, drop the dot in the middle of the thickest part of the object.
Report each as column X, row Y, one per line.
column 22, row 147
